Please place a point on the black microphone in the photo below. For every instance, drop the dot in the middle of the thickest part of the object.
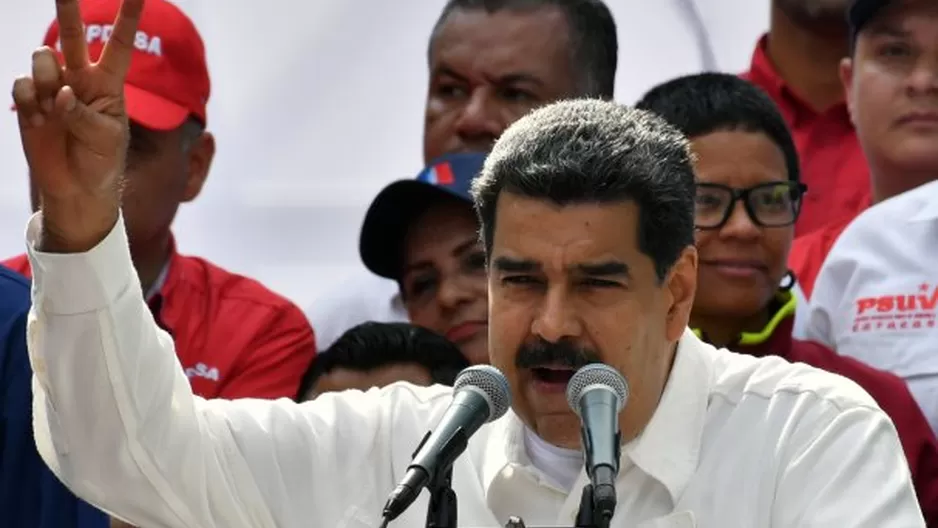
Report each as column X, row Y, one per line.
column 480, row 395
column 597, row 393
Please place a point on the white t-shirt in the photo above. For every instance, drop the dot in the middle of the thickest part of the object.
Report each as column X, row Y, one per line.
column 876, row 296
column 561, row 467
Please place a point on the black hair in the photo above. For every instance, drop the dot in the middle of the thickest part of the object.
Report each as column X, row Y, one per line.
column 859, row 15
column 593, row 39
column 192, row 129
column 592, row 151
column 712, row 102
column 371, row 345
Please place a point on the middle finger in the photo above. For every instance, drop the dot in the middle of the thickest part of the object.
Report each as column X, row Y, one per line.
column 47, row 76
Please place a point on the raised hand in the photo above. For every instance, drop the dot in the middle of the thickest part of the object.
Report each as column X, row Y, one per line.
column 74, row 129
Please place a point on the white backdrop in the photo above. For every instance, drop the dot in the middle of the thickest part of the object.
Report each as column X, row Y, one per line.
column 317, row 104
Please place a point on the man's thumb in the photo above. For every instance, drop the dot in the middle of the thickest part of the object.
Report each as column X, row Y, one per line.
column 85, row 124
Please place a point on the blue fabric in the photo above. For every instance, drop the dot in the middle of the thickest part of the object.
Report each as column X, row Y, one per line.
column 462, row 167
column 30, row 495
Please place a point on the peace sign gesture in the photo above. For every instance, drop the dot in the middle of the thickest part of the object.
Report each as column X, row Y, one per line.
column 74, row 129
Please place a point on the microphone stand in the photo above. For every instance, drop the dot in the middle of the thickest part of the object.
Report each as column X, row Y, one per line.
column 441, row 512
column 588, row 516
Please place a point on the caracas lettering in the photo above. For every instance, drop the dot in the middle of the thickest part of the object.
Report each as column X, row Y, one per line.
column 102, row 33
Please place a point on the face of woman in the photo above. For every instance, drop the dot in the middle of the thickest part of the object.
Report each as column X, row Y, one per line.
column 444, row 282
column 741, row 261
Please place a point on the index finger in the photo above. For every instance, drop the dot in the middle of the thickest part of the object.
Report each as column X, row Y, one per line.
column 71, row 34
column 118, row 51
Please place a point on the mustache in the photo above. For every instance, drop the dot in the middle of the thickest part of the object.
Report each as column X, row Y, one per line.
column 565, row 353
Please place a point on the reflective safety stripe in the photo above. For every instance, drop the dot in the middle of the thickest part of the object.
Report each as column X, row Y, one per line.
column 786, row 310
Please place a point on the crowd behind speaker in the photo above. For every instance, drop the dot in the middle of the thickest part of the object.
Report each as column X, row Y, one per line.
column 669, row 266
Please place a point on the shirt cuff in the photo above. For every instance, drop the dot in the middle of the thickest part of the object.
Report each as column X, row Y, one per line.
column 75, row 283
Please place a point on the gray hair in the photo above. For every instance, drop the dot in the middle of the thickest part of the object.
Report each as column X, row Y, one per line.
column 595, row 151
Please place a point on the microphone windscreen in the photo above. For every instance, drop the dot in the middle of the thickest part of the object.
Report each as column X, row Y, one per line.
column 591, row 376
column 490, row 383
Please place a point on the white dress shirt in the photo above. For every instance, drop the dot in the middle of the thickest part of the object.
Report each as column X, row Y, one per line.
column 876, row 296
column 736, row 441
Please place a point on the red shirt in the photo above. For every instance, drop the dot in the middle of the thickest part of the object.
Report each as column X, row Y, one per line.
column 234, row 337
column 832, row 164
column 889, row 391
column 809, row 252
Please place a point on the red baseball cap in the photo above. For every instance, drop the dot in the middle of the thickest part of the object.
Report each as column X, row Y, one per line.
column 168, row 79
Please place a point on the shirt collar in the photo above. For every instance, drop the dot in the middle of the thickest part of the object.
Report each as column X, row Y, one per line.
column 929, row 209
column 157, row 285
column 762, row 72
column 164, row 277
column 505, row 447
column 669, row 447
column 667, row 450
column 795, row 109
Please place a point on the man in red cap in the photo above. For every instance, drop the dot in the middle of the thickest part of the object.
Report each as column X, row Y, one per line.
column 234, row 337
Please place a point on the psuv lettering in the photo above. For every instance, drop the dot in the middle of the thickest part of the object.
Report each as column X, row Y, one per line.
column 102, row 33
column 922, row 302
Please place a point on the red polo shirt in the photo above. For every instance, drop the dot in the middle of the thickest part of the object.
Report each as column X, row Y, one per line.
column 808, row 253
column 889, row 391
column 234, row 337
column 832, row 163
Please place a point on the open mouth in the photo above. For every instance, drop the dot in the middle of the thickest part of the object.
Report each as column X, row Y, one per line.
column 552, row 374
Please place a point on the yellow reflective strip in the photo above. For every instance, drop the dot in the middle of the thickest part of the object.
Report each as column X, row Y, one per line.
column 757, row 338
column 787, row 310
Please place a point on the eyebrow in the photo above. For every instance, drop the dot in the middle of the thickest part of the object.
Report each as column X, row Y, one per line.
column 609, row 268
column 508, row 78
column 466, row 246
column 515, row 78
column 512, row 265
column 448, row 72
column 885, row 29
column 423, row 264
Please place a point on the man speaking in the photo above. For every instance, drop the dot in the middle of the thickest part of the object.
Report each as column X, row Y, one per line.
column 586, row 210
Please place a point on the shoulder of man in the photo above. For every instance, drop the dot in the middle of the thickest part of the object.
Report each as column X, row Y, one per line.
column 886, row 221
column 18, row 264
column 14, row 294
column 885, row 238
column 14, row 361
column 767, row 380
column 888, row 390
column 208, row 278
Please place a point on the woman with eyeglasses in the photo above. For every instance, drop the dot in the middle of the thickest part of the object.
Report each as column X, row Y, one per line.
column 748, row 199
